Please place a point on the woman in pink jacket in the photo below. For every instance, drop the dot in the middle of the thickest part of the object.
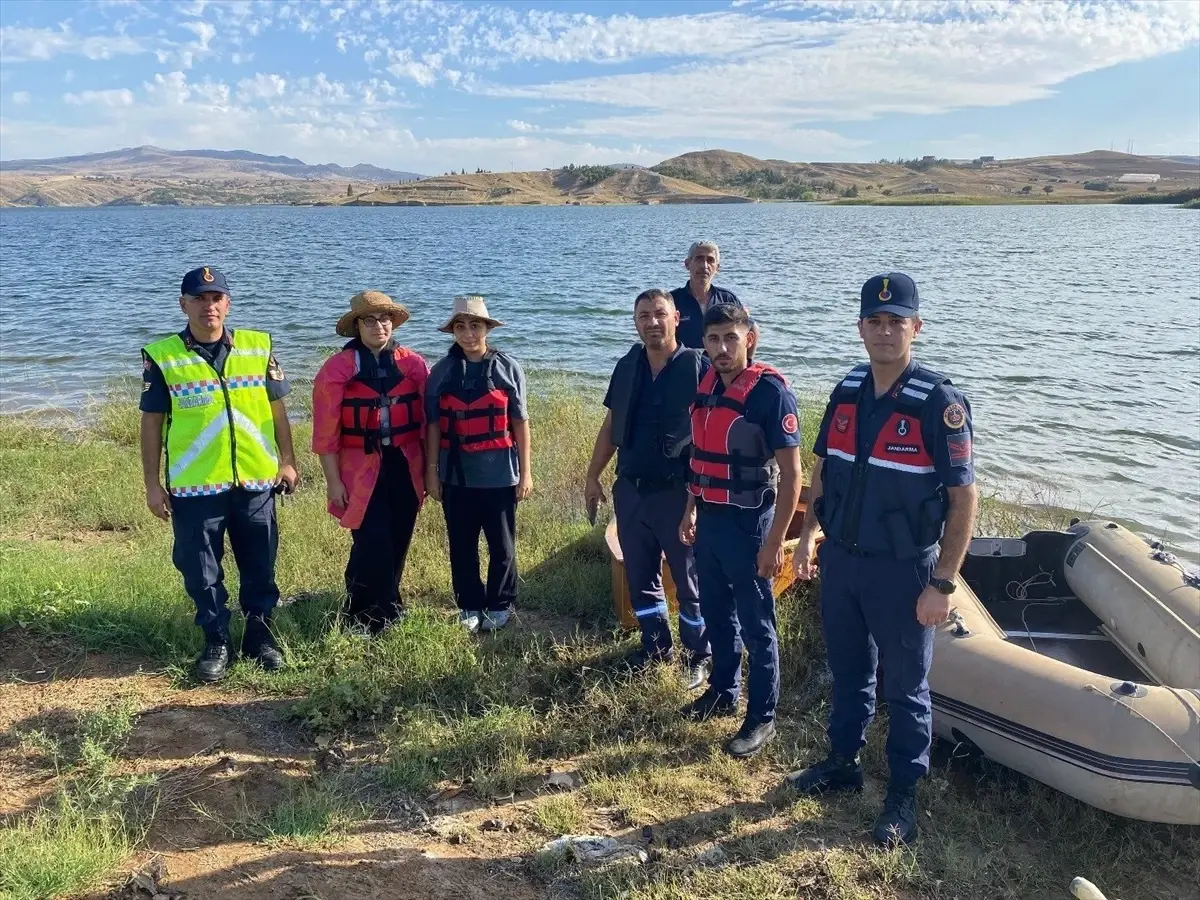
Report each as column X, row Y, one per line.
column 368, row 424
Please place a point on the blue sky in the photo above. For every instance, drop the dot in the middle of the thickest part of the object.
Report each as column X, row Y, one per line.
column 426, row 86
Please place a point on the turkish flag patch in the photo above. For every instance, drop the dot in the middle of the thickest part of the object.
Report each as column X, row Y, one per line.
column 959, row 446
column 789, row 423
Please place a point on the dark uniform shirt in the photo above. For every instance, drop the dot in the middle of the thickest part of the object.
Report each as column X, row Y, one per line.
column 949, row 446
column 157, row 399
column 642, row 456
column 691, row 316
column 771, row 405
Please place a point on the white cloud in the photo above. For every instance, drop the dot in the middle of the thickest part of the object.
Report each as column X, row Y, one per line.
column 121, row 97
column 204, row 32
column 21, row 97
column 423, row 71
column 41, row 44
column 763, row 76
column 261, row 87
column 518, row 125
column 239, row 59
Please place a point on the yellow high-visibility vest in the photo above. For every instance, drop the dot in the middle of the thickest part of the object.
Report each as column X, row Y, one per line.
column 219, row 432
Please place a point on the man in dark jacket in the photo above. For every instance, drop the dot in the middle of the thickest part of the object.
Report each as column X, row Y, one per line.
column 648, row 427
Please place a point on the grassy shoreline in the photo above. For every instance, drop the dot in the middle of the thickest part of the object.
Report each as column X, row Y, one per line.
column 426, row 708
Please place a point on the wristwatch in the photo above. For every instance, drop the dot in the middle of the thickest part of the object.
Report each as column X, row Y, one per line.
column 945, row 585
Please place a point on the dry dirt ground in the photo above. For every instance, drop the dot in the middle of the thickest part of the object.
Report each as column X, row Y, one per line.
column 219, row 757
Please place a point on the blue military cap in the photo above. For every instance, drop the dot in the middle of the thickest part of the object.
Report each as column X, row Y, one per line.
column 202, row 280
column 894, row 293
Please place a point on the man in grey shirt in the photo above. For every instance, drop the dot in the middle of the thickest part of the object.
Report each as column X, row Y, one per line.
column 478, row 433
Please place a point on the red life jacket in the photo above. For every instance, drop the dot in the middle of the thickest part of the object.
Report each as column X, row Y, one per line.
column 363, row 401
column 469, row 426
column 731, row 463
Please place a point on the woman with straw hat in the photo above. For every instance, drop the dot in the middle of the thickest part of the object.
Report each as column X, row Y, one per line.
column 478, row 449
column 368, row 426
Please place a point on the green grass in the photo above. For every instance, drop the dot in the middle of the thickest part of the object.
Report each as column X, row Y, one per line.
column 560, row 814
column 313, row 814
column 61, row 849
column 81, row 559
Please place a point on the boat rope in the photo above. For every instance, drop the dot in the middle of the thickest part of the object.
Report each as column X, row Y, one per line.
column 1162, row 555
column 1019, row 590
column 1147, row 719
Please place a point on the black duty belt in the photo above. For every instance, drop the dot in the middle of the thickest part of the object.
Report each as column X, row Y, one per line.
column 653, row 485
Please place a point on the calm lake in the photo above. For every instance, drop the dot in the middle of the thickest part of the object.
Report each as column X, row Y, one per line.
column 1074, row 330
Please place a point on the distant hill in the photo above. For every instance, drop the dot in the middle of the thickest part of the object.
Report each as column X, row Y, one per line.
column 149, row 162
column 153, row 176
column 1082, row 177
column 575, row 185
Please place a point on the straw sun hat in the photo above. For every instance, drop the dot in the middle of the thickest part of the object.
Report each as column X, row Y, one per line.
column 470, row 306
column 367, row 303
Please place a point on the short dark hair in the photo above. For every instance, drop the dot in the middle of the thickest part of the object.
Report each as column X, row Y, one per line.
column 726, row 314
column 653, row 294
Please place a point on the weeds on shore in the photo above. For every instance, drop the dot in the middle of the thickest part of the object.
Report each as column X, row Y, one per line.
column 81, row 558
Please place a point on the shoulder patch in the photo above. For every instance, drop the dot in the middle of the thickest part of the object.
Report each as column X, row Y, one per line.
column 959, row 449
column 789, row 424
column 274, row 370
column 954, row 416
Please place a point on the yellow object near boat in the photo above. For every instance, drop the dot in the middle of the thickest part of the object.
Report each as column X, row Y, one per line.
column 620, row 586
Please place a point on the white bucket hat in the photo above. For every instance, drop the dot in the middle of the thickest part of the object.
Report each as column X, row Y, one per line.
column 470, row 306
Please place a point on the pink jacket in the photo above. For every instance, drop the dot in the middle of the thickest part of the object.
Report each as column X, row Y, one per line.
column 359, row 470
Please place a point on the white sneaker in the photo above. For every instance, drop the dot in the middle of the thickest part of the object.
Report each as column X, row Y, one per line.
column 469, row 619
column 494, row 620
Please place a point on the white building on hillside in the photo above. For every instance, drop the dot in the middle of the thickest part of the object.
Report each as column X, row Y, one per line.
column 1135, row 178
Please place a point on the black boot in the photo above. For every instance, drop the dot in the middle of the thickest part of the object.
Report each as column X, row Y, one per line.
column 707, row 706
column 897, row 824
column 834, row 773
column 697, row 674
column 259, row 645
column 213, row 664
column 751, row 738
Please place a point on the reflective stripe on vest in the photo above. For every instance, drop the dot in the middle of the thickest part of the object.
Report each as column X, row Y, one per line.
column 371, row 420
column 220, row 431
column 731, row 463
column 892, row 503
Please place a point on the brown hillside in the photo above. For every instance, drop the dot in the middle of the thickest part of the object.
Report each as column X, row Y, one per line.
column 998, row 181
column 546, row 187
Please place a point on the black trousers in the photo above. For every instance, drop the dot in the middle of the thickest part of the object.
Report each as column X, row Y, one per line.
column 494, row 512
column 200, row 525
column 380, row 547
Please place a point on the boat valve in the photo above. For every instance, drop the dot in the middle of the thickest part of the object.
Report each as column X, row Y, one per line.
column 960, row 627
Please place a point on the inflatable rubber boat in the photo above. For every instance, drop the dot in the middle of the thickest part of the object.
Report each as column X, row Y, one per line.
column 1074, row 657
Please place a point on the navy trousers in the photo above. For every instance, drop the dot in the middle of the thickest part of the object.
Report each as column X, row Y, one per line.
column 200, row 525
column 868, row 613
column 738, row 605
column 648, row 528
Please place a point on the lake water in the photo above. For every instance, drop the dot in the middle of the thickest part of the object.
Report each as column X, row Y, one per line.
column 1074, row 330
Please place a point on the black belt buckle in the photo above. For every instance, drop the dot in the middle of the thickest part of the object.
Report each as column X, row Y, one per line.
column 653, row 485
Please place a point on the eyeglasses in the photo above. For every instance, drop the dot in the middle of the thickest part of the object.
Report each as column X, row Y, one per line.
column 372, row 321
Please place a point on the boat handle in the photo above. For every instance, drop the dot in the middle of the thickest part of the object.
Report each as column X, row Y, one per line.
column 1157, row 603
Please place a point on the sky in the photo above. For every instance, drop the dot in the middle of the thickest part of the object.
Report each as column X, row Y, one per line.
column 427, row 86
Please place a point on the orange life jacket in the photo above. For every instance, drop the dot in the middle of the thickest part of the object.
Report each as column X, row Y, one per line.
column 481, row 423
column 364, row 424
column 731, row 463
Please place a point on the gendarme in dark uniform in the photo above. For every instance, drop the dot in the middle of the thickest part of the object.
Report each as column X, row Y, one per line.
column 893, row 457
column 209, row 419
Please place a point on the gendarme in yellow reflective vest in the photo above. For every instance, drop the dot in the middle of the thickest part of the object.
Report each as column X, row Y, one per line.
column 219, row 432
